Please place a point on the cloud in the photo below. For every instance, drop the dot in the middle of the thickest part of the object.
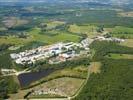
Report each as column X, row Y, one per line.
column 121, row 1
column 100, row 1
column 9, row 0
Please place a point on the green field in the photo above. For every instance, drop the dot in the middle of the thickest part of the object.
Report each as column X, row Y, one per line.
column 54, row 24
column 60, row 37
column 82, row 28
column 119, row 56
column 128, row 43
column 45, row 37
column 120, row 31
column 14, row 40
column 89, row 30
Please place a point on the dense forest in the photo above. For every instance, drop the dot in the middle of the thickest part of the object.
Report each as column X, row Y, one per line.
column 7, row 86
column 114, row 82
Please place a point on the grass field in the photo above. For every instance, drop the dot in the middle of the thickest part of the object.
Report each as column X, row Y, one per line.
column 19, row 95
column 61, row 37
column 120, row 31
column 53, row 24
column 78, row 72
column 3, row 28
column 125, row 36
column 119, row 56
column 128, row 43
column 14, row 40
column 84, row 29
column 95, row 67
column 45, row 38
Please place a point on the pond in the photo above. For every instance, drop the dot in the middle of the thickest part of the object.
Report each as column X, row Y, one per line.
column 27, row 78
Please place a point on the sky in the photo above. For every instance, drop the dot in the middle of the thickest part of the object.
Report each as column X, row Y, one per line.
column 111, row 1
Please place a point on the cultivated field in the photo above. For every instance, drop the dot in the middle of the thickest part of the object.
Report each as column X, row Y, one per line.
column 54, row 24
column 90, row 30
column 36, row 36
column 60, row 37
column 120, row 31
column 62, row 86
column 14, row 21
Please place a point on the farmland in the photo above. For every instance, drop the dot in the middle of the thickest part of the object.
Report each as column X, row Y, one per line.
column 13, row 21
column 45, row 37
column 103, row 71
column 71, row 77
column 54, row 24
column 120, row 31
column 60, row 37
column 89, row 30
column 67, row 86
